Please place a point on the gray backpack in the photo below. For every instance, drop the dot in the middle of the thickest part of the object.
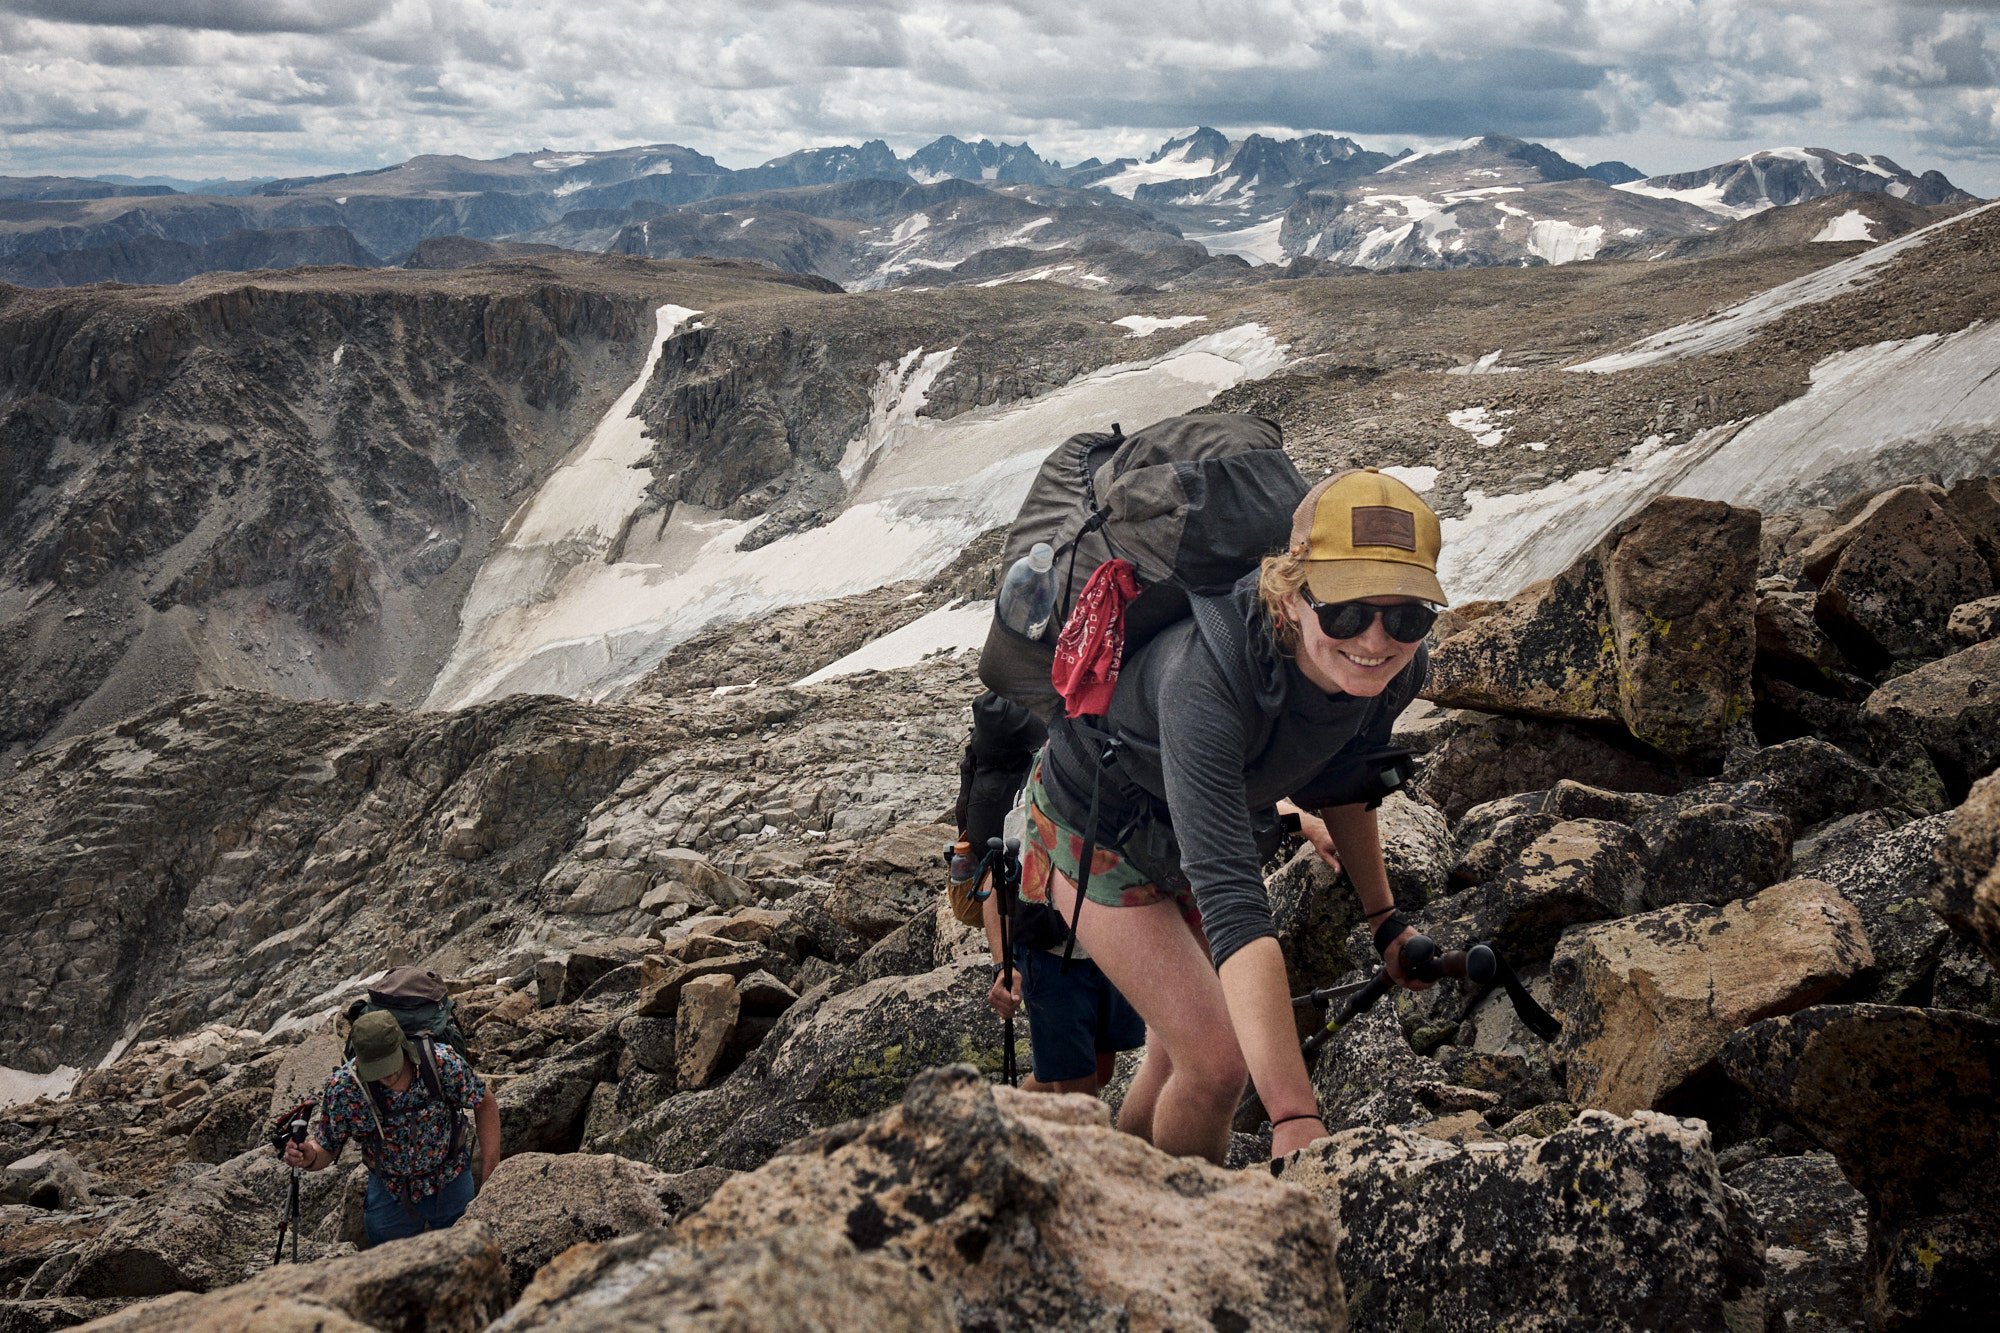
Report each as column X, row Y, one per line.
column 1192, row 502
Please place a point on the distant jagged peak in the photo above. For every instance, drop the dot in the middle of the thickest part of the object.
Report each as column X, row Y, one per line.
column 1773, row 177
column 1200, row 144
column 950, row 157
column 873, row 153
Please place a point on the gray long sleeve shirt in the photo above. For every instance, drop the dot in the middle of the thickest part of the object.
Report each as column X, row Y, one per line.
column 1216, row 745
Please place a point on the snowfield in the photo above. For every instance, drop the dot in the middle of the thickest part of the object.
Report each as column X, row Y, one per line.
column 589, row 588
column 1739, row 323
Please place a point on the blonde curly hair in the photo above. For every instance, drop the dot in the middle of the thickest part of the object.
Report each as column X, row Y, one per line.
column 1279, row 578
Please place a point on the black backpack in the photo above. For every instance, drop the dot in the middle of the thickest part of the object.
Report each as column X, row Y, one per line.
column 1192, row 502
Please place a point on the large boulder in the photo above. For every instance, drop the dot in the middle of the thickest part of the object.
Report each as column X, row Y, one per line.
column 1889, row 876
column 1967, row 891
column 1712, row 852
column 209, row 1231
column 1647, row 1002
column 450, row 1281
column 1654, row 629
column 1032, row 1211
column 889, row 880
column 1315, row 908
column 1581, row 870
column 1816, row 1242
column 544, row 1109
column 1368, row 1074
column 1975, row 622
column 1606, row 1224
column 536, row 1205
column 1974, row 504
column 1905, row 1100
column 1951, row 707
column 1890, row 576
column 830, row 1058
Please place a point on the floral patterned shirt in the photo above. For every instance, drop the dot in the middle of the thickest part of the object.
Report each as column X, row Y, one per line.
column 409, row 1155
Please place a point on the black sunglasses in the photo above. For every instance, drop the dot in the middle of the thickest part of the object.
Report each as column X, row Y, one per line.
column 1405, row 622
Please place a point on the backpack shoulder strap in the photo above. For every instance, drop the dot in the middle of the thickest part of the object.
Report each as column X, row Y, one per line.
column 433, row 1080
column 1222, row 629
column 368, row 1097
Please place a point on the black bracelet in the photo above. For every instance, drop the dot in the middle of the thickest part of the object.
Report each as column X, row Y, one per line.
column 1303, row 1115
column 1386, row 933
column 1380, row 910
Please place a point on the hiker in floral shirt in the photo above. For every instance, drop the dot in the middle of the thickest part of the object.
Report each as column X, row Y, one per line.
column 418, row 1180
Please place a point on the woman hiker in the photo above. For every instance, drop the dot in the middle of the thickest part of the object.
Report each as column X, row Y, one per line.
column 420, row 1174
column 1331, row 652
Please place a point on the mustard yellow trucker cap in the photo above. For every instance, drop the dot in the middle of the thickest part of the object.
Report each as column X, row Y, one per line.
column 1366, row 534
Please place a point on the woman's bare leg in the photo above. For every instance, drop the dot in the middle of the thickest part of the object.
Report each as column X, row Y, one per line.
column 1161, row 967
column 1135, row 1113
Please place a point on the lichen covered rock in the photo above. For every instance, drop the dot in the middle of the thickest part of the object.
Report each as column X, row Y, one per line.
column 1607, row 1224
column 1031, row 1211
column 1905, row 1100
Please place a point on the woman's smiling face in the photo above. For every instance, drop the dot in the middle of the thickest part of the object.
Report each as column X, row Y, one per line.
column 1363, row 665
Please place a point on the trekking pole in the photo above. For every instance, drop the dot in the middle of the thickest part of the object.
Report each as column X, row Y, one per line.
column 296, row 1133
column 1006, row 861
column 1421, row 961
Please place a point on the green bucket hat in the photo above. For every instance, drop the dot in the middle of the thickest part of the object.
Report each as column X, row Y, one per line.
column 379, row 1047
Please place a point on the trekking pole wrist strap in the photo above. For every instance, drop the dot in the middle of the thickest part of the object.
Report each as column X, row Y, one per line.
column 1392, row 926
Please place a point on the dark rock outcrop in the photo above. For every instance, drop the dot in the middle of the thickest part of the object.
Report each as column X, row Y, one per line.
column 1904, row 1099
column 1607, row 1224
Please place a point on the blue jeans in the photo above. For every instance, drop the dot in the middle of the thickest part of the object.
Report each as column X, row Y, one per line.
column 389, row 1218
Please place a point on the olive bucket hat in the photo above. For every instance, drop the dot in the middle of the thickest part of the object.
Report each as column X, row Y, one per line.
column 1366, row 534
column 379, row 1046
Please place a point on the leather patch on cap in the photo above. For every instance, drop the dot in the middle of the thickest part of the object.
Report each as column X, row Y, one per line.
column 1380, row 525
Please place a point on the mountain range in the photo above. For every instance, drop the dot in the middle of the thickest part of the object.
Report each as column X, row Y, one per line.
column 1201, row 211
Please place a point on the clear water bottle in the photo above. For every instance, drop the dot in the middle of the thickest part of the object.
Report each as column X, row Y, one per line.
column 1028, row 593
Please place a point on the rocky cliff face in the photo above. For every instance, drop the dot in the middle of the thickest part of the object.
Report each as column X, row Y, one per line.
column 284, row 482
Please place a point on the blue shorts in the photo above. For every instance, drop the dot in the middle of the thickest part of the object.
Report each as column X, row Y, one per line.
column 1072, row 1018
column 388, row 1218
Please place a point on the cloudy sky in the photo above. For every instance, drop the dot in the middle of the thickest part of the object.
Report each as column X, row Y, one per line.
column 199, row 88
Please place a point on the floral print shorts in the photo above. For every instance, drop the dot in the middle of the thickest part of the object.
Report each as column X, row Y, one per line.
column 1052, row 845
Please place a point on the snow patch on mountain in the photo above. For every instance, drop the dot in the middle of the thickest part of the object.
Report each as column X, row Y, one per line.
column 1458, row 146
column 899, row 394
column 958, row 628
column 1184, row 163
column 1259, row 243
column 1853, row 225
column 1924, row 404
column 1707, row 196
column 1479, row 424
column 1145, row 325
column 1563, row 242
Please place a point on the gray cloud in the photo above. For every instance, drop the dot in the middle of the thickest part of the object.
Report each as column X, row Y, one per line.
column 252, row 16
column 358, row 83
column 260, row 122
